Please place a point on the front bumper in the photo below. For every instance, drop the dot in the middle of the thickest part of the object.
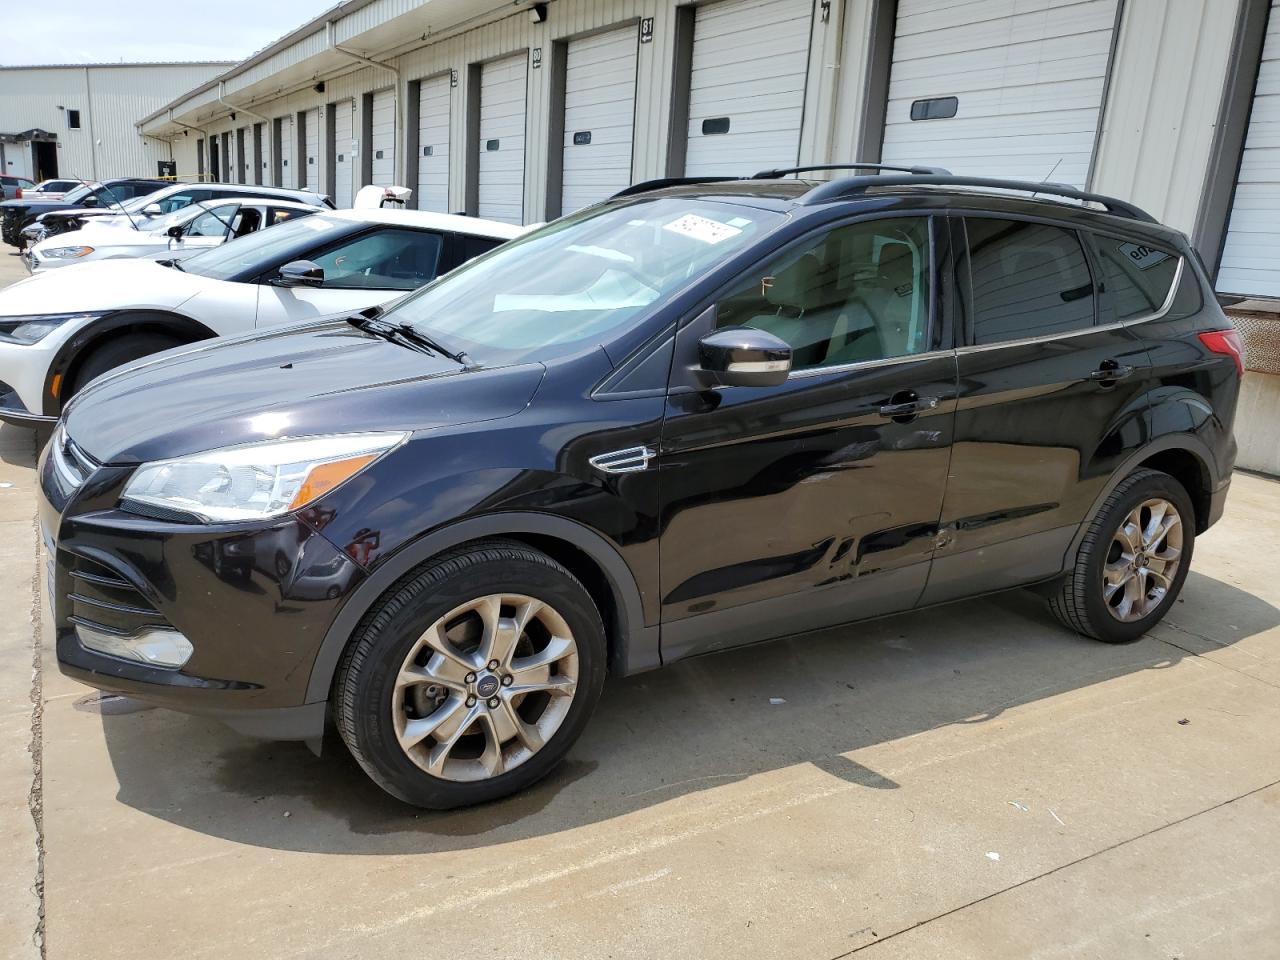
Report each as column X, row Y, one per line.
column 14, row 411
column 255, row 602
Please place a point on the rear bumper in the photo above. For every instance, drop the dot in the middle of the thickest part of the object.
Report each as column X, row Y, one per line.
column 1218, row 502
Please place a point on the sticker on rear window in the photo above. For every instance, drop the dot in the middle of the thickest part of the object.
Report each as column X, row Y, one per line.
column 1142, row 256
column 701, row 228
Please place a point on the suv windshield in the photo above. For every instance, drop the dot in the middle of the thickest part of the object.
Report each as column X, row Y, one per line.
column 578, row 279
column 255, row 251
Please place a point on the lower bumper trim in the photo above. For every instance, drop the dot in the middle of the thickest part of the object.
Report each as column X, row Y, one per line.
column 12, row 410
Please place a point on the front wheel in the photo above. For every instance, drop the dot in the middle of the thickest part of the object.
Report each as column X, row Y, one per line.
column 1132, row 561
column 473, row 678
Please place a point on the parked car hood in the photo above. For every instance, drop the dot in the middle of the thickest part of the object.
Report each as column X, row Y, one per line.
column 301, row 381
column 103, row 285
column 103, row 235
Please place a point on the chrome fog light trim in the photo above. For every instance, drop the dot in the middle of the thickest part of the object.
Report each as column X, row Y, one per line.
column 154, row 646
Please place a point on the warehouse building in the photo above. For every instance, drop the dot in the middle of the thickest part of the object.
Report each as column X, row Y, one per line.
column 80, row 120
column 523, row 111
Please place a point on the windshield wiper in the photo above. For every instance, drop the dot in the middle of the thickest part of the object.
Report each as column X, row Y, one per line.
column 406, row 335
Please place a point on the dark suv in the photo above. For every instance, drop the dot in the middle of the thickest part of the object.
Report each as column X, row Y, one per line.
column 16, row 214
column 699, row 415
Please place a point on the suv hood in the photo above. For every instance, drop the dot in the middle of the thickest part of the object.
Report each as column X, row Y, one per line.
column 302, row 381
column 102, row 286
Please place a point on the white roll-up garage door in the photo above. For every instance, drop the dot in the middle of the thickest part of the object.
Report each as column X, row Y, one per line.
column 999, row 89
column 502, row 117
column 599, row 116
column 433, row 145
column 384, row 138
column 288, row 172
column 746, row 91
column 344, row 157
column 1251, row 254
column 310, row 164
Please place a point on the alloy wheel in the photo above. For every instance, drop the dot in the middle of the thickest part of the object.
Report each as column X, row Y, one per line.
column 485, row 687
column 1143, row 560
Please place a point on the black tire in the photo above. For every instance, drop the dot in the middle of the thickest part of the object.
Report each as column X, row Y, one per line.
column 116, row 352
column 1078, row 600
column 365, row 680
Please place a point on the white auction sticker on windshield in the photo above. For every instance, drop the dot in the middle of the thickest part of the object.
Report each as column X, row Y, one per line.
column 701, row 228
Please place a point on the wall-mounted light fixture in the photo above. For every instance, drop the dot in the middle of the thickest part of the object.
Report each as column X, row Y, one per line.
column 538, row 13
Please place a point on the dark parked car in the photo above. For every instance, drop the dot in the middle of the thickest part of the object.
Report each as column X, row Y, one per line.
column 11, row 187
column 699, row 415
column 17, row 214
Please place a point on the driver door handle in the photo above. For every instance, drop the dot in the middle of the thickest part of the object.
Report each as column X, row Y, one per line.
column 908, row 408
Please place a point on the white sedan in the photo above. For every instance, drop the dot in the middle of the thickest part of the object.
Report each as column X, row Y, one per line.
column 61, row 329
column 175, row 236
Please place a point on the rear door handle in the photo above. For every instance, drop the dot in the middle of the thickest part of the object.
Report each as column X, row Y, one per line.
column 908, row 408
column 1110, row 370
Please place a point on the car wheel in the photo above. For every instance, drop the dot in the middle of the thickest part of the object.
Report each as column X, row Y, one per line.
column 116, row 353
column 472, row 679
column 1132, row 561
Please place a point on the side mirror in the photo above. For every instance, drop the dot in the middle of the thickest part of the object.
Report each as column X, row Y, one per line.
column 744, row 357
column 300, row 273
column 91, row 201
column 153, row 210
column 175, row 231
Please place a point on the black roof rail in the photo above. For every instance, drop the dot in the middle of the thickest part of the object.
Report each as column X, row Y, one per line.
column 852, row 186
column 916, row 171
column 646, row 185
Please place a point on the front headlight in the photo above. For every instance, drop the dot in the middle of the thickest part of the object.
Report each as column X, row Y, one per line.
column 258, row 480
column 35, row 327
column 65, row 253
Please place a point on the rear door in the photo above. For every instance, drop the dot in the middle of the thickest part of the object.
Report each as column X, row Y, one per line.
column 370, row 268
column 789, row 508
column 1052, row 398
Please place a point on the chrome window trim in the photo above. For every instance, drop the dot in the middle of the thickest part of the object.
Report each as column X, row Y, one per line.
column 869, row 364
column 1083, row 331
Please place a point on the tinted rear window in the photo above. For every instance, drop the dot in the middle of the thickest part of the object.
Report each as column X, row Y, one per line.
column 1137, row 277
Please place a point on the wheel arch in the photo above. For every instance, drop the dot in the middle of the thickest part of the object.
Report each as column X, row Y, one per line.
column 1183, row 456
column 73, row 353
column 632, row 646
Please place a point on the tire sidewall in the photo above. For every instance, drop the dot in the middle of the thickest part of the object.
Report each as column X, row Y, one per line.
column 1155, row 485
column 392, row 640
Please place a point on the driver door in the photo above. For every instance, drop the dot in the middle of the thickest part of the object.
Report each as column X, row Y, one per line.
column 815, row 502
column 209, row 229
column 362, row 271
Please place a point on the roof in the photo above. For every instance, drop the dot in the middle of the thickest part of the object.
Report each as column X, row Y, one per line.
column 135, row 63
column 438, row 221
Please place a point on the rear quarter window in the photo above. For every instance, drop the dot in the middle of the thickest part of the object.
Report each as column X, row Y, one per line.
column 1137, row 277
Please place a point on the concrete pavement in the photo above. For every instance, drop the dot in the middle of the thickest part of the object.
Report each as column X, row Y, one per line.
column 972, row 781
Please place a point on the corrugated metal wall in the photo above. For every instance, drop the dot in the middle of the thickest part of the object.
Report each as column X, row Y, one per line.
column 111, row 99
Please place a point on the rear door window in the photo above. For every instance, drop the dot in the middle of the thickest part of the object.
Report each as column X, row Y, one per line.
column 1025, row 279
column 1137, row 277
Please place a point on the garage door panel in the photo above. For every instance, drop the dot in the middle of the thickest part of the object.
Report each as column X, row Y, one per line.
column 1251, row 251
column 750, row 63
column 343, row 159
column 433, row 132
column 600, row 91
column 502, row 122
column 384, row 138
column 1029, row 78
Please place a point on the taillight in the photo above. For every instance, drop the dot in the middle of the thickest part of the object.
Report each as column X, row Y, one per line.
column 1226, row 342
column 19, row 196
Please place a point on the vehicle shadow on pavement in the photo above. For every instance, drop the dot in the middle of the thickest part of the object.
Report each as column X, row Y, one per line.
column 17, row 446
column 696, row 726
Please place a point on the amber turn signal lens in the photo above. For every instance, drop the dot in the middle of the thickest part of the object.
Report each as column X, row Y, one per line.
column 326, row 476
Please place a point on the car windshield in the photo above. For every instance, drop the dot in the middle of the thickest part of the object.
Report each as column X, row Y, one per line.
column 575, row 281
column 291, row 239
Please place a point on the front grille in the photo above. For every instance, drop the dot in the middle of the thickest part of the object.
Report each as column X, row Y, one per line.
column 102, row 599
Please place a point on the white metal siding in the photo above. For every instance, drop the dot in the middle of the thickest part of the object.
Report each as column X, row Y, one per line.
column 310, row 164
column 599, row 102
column 343, row 157
column 750, row 60
column 1251, row 255
column 433, row 136
column 1029, row 76
column 384, row 138
column 502, row 120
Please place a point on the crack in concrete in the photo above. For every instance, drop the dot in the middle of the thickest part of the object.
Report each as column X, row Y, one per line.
column 1200, row 654
column 1048, row 873
column 35, row 798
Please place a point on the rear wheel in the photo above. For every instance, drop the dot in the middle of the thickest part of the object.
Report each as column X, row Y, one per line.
column 116, row 352
column 1132, row 561
column 473, row 679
